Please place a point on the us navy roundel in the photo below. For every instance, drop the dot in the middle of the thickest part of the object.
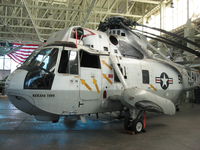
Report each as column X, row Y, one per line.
column 164, row 80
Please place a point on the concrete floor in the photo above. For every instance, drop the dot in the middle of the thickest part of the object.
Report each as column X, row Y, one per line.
column 19, row 131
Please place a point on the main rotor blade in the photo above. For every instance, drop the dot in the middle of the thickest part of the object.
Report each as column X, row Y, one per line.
column 169, row 33
column 175, row 44
column 167, row 41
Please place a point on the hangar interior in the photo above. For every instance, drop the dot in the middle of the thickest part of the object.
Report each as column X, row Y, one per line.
column 34, row 21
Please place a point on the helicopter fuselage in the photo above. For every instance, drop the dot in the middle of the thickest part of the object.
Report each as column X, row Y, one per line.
column 75, row 80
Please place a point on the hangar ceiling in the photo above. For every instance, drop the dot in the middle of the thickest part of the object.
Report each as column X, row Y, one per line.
column 36, row 19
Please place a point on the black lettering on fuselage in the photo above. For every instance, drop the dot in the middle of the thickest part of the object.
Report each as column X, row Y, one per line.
column 50, row 95
column 44, row 95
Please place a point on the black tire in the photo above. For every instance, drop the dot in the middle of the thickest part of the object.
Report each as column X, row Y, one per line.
column 136, row 125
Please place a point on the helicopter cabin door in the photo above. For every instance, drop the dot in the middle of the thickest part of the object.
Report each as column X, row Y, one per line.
column 66, row 83
column 90, row 76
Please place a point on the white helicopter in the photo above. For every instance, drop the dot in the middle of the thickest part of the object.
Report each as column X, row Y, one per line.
column 83, row 71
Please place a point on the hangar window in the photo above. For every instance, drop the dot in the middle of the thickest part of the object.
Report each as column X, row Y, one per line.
column 89, row 60
column 68, row 62
column 145, row 76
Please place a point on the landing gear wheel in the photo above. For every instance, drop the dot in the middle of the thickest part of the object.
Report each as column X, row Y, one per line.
column 138, row 126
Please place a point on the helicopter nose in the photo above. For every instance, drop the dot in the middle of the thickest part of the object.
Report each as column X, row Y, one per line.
column 16, row 94
column 15, row 80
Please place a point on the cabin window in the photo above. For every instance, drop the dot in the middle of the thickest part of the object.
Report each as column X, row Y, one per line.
column 68, row 62
column 145, row 76
column 123, row 34
column 105, row 48
column 89, row 60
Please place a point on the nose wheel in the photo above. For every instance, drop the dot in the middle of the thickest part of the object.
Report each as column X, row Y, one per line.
column 136, row 125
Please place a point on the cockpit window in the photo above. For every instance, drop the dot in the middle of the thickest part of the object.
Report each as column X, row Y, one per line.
column 45, row 58
column 29, row 59
column 68, row 62
column 40, row 66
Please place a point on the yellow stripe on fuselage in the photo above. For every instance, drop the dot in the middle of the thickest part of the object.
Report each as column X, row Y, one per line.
column 96, row 85
column 107, row 65
column 151, row 86
column 105, row 76
column 86, row 85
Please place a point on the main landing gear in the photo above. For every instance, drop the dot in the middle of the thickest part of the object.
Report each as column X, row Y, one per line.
column 135, row 121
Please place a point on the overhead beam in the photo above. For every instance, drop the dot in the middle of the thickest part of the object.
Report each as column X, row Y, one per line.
column 39, row 17
column 89, row 12
column 103, row 11
column 146, row 1
column 42, row 7
column 110, row 9
column 44, row 19
column 155, row 9
column 119, row 14
column 33, row 22
column 30, row 27
column 74, row 14
column 131, row 7
column 20, row 33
